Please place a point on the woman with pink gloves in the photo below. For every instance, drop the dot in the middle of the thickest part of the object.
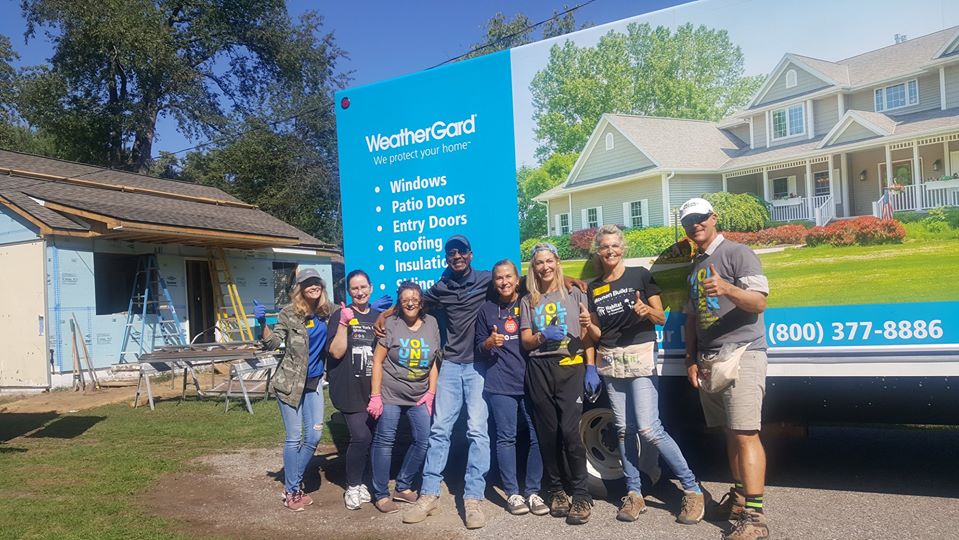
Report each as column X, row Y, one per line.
column 403, row 380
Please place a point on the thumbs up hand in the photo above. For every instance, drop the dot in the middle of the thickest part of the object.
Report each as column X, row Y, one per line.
column 640, row 307
column 715, row 285
column 584, row 318
column 553, row 332
column 346, row 314
column 495, row 339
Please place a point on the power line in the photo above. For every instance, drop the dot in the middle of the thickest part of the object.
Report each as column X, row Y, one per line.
column 514, row 34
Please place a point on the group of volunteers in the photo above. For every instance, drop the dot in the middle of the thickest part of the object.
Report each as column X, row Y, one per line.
column 526, row 349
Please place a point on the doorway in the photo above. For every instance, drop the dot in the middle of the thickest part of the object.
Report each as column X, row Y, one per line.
column 200, row 309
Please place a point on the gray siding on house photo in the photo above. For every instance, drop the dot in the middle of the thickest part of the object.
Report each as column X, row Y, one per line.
column 855, row 132
column 805, row 82
column 825, row 114
column 622, row 158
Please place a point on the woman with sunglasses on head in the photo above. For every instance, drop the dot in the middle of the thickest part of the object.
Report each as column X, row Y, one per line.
column 553, row 321
column 504, row 365
column 403, row 381
column 625, row 306
column 296, row 382
column 349, row 372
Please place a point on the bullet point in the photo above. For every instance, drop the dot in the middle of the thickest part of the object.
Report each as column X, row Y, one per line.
column 376, row 189
column 382, row 267
column 379, row 209
column 379, row 228
column 380, row 248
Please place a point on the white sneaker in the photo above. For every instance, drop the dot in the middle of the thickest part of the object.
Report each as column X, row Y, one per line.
column 516, row 505
column 352, row 498
column 537, row 505
column 365, row 496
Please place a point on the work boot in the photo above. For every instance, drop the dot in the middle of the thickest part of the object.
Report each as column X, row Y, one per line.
column 728, row 508
column 751, row 525
column 558, row 504
column 424, row 507
column 579, row 513
column 693, row 508
column 386, row 506
column 516, row 505
column 405, row 496
column 475, row 519
column 633, row 506
column 537, row 505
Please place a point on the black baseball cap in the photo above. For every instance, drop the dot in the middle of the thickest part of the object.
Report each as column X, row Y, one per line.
column 456, row 241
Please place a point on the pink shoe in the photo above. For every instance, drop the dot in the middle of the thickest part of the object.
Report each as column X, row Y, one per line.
column 294, row 501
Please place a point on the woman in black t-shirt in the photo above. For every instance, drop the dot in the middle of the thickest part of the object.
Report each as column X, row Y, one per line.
column 351, row 341
column 624, row 306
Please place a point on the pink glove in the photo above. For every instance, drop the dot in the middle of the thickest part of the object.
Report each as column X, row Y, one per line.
column 346, row 315
column 375, row 408
column 428, row 400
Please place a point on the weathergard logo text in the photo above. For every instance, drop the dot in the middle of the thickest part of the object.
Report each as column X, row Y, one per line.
column 439, row 130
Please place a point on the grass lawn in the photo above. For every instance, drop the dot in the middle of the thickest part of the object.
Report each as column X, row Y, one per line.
column 79, row 475
column 914, row 271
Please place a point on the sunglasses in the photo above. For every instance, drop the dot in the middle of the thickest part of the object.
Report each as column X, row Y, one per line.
column 694, row 219
column 454, row 252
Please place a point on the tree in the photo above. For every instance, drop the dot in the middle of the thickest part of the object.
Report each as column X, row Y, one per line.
column 118, row 65
column 503, row 33
column 694, row 72
column 530, row 182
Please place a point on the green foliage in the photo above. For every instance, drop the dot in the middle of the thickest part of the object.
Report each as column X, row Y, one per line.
column 563, row 247
column 694, row 72
column 649, row 242
column 531, row 182
column 503, row 33
column 743, row 212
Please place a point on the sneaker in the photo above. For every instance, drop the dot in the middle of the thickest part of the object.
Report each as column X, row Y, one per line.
column 633, row 505
column 693, row 508
column 579, row 513
column 351, row 498
column 405, row 496
column 751, row 525
column 558, row 504
column 424, row 507
column 307, row 500
column 516, row 505
column 537, row 505
column 728, row 508
column 293, row 501
column 365, row 496
column 475, row 518
column 386, row 505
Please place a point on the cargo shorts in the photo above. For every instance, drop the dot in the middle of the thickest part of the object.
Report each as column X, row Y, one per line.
column 740, row 406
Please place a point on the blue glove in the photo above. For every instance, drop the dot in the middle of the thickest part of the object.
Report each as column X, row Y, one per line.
column 554, row 332
column 591, row 382
column 259, row 312
column 382, row 303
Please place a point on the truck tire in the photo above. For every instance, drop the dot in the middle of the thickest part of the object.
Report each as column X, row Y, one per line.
column 605, row 479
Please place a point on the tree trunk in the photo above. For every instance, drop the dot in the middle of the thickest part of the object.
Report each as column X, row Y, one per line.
column 142, row 151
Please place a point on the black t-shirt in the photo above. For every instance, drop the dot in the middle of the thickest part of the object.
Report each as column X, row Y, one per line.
column 613, row 304
column 350, row 376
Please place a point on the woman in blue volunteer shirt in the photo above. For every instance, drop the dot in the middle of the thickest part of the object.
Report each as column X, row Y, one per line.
column 404, row 381
column 296, row 383
column 624, row 305
column 349, row 371
column 497, row 341
column 553, row 323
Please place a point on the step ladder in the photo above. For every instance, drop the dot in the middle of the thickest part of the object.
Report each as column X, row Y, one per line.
column 231, row 318
column 151, row 317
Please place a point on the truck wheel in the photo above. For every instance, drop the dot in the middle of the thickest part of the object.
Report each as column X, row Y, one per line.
column 597, row 428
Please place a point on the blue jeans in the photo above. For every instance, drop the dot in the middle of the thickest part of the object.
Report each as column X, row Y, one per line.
column 505, row 409
column 381, row 452
column 635, row 403
column 303, row 425
column 458, row 384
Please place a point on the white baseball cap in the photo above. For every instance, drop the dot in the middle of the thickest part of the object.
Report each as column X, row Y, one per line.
column 695, row 205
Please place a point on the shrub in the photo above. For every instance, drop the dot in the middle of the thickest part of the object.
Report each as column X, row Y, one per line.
column 742, row 212
column 583, row 239
column 863, row 230
column 649, row 242
column 785, row 234
column 562, row 243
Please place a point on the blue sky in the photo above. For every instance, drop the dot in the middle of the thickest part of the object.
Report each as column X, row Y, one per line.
column 384, row 39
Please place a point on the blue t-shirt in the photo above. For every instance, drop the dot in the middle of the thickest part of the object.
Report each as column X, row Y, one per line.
column 505, row 367
column 316, row 329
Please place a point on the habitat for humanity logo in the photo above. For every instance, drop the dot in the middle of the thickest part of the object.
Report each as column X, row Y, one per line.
column 439, row 130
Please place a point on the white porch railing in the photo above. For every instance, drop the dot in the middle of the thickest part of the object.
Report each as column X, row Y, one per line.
column 919, row 197
column 824, row 211
column 791, row 212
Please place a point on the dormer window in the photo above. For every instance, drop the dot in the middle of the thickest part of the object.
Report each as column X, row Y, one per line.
column 791, row 78
column 897, row 96
column 609, row 141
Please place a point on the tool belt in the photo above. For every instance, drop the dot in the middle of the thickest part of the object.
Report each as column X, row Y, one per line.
column 637, row 360
column 719, row 370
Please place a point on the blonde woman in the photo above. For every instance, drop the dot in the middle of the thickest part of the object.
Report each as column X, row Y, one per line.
column 553, row 324
column 302, row 326
column 624, row 305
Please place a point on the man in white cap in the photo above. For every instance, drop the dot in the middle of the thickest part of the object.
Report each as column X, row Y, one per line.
column 727, row 297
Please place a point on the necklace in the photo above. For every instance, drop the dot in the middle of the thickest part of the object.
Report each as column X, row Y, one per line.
column 509, row 326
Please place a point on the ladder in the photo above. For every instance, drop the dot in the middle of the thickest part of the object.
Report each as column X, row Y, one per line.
column 151, row 316
column 231, row 318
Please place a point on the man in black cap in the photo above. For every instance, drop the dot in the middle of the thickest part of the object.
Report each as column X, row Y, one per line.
column 457, row 297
